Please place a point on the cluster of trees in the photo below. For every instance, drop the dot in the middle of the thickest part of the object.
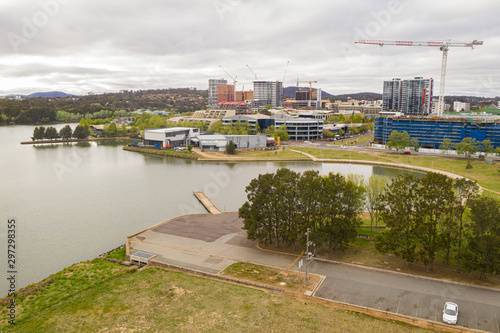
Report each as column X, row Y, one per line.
column 41, row 133
column 281, row 206
column 469, row 146
column 354, row 118
column 435, row 215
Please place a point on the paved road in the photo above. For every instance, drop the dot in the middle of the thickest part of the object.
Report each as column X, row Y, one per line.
column 212, row 242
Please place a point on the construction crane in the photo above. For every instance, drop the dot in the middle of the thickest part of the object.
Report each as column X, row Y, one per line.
column 234, row 80
column 286, row 67
column 310, row 87
column 255, row 75
column 443, row 45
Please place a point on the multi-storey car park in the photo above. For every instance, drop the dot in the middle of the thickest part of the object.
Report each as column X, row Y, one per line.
column 432, row 131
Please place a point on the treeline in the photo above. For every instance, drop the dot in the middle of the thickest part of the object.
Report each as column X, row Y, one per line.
column 438, row 216
column 50, row 133
column 63, row 109
column 426, row 218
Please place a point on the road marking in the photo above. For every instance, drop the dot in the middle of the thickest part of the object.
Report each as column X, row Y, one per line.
column 496, row 319
column 397, row 310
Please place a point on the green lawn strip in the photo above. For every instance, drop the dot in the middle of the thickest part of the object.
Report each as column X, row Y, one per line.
column 118, row 254
column 272, row 154
column 352, row 141
column 164, row 152
column 156, row 300
column 278, row 154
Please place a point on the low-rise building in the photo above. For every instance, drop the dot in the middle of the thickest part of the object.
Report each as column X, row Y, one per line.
column 247, row 141
column 300, row 129
column 252, row 120
column 168, row 137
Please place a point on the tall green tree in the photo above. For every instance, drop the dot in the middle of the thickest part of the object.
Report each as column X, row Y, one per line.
column 81, row 132
column 50, row 133
column 398, row 211
column 486, row 147
column 375, row 189
column 401, row 140
column 435, row 195
column 113, row 130
column 483, row 239
column 258, row 213
column 465, row 191
column 65, row 132
column 231, row 148
column 467, row 147
column 38, row 133
column 282, row 133
column 446, row 145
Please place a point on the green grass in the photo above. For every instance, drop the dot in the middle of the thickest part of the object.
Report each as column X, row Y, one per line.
column 98, row 296
column 118, row 254
column 279, row 154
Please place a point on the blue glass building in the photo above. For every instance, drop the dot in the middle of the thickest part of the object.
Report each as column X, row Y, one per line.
column 431, row 132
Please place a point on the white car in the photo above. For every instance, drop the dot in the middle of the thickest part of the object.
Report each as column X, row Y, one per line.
column 450, row 313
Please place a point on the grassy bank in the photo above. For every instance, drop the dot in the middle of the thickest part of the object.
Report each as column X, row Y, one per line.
column 280, row 154
column 98, row 296
column 167, row 152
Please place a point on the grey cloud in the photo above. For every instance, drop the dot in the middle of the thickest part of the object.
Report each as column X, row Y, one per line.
column 181, row 43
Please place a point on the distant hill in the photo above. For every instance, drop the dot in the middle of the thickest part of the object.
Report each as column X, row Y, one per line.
column 51, row 94
column 290, row 92
column 359, row 96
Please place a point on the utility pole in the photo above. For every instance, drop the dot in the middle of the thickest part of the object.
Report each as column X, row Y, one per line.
column 309, row 255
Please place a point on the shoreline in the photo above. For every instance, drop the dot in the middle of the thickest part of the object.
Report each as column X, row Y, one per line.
column 76, row 140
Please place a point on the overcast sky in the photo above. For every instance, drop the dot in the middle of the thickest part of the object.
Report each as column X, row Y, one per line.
column 81, row 46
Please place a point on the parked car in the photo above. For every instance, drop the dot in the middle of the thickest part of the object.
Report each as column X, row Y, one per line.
column 407, row 152
column 450, row 313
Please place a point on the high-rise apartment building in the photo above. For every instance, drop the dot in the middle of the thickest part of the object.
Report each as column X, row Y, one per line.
column 212, row 90
column 225, row 93
column 268, row 92
column 391, row 95
column 411, row 97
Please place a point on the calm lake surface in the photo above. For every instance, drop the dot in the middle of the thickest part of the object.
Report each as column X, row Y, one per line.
column 75, row 201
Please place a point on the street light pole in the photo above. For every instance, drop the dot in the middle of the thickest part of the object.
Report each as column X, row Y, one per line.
column 309, row 255
column 307, row 251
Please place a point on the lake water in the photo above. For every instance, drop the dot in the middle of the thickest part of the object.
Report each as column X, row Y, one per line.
column 72, row 202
